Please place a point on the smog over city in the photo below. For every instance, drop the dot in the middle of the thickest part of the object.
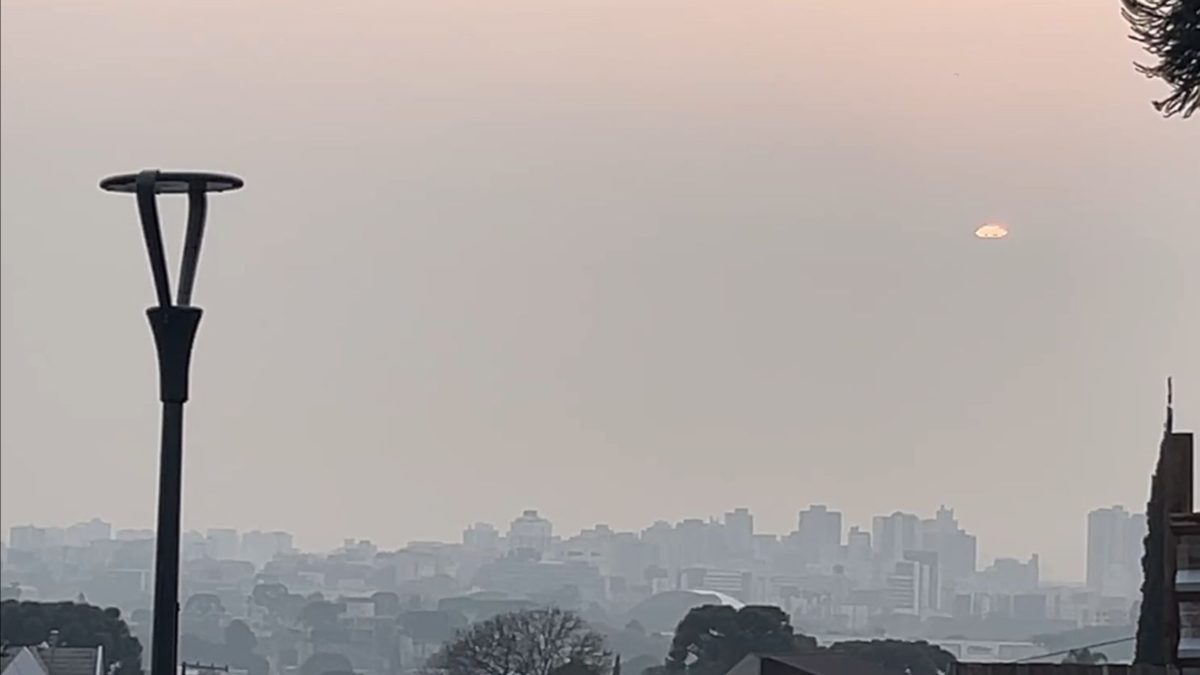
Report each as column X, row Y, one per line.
column 578, row 318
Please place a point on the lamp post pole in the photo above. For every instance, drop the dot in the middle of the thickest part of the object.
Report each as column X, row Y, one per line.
column 174, row 325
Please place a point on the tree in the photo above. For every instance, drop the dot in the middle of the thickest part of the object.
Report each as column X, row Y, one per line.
column 323, row 663
column 240, row 643
column 1085, row 657
column 712, row 638
column 203, row 603
column 1151, row 632
column 387, row 603
column 30, row 623
column 528, row 642
column 239, row 639
column 1170, row 31
column 321, row 614
column 237, row 651
column 269, row 596
column 900, row 656
column 431, row 626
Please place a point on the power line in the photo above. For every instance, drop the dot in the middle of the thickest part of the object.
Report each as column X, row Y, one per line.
column 1072, row 649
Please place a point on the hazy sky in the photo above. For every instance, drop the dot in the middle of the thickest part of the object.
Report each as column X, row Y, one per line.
column 616, row 260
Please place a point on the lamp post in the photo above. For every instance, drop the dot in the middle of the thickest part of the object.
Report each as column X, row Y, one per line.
column 174, row 326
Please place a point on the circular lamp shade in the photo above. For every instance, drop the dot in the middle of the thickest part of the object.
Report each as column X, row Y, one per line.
column 992, row 231
column 174, row 182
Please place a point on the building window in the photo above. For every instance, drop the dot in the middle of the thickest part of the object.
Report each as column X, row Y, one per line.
column 1188, row 552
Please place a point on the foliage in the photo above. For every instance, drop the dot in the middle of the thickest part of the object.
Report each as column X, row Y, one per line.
column 281, row 605
column 203, row 603
column 321, row 614
column 548, row 641
column 916, row 658
column 269, row 596
column 323, row 663
column 239, row 638
column 237, row 651
column 1085, row 657
column 386, row 603
column 78, row 625
column 633, row 642
column 712, row 638
column 431, row 626
column 1170, row 31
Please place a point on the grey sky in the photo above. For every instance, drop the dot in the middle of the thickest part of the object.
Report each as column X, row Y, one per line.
column 617, row 261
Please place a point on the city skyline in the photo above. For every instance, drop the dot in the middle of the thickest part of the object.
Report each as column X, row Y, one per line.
column 981, row 556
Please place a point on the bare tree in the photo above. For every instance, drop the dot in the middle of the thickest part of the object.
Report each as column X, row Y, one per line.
column 530, row 642
column 1170, row 31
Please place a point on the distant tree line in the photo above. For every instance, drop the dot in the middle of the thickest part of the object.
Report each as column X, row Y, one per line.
column 712, row 638
column 708, row 641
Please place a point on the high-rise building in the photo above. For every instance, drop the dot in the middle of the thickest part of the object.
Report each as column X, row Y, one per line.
column 481, row 536
column 261, row 548
column 892, row 535
column 735, row 583
column 913, row 586
column 31, row 538
column 1009, row 575
column 82, row 534
column 858, row 554
column 690, row 545
column 530, row 533
column 1114, row 551
column 27, row 538
column 194, row 546
column 223, row 543
column 739, row 528
column 956, row 549
column 931, row 581
column 819, row 534
column 134, row 534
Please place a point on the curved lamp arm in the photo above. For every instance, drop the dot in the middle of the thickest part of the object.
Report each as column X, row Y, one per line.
column 152, row 232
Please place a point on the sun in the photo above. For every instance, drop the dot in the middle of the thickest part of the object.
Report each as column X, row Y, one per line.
column 991, row 231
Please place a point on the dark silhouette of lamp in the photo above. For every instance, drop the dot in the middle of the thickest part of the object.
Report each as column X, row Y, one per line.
column 174, row 325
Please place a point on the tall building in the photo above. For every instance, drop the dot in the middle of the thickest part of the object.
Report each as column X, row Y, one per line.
column 739, row 528
column 1114, row 551
column 858, row 554
column 892, row 535
column 1009, row 575
column 82, row 534
column 261, row 548
column 481, row 536
column 819, row 533
column 906, row 587
column 690, row 543
column 956, row 549
column 27, row 538
column 661, row 538
column 929, row 567
column 530, row 533
column 223, row 543
column 31, row 538
column 735, row 583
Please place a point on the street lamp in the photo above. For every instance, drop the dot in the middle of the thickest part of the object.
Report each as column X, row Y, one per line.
column 174, row 325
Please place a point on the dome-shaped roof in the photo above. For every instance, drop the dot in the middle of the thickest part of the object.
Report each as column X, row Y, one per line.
column 662, row 612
